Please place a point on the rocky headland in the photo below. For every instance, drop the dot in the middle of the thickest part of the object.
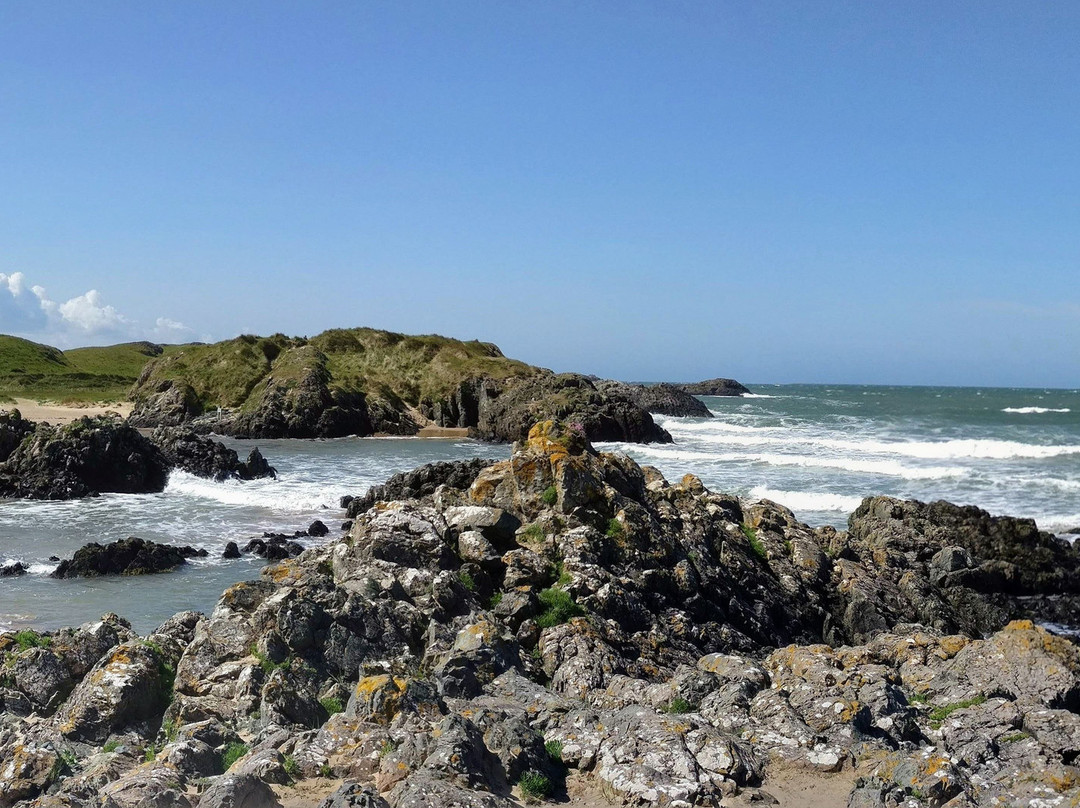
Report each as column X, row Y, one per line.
column 565, row 624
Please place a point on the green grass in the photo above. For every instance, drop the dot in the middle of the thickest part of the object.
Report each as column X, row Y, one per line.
column 467, row 580
column 532, row 533
column 80, row 375
column 264, row 661
column 111, row 746
column 233, row 752
column 388, row 746
column 292, row 768
column 1013, row 737
column 678, row 706
column 918, row 698
column 31, row 639
column 550, row 496
column 615, row 529
column 332, row 705
column 558, row 608
column 535, row 785
column 939, row 714
column 494, row 600
column 150, row 753
column 755, row 542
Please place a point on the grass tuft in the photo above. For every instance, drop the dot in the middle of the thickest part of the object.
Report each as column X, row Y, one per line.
column 233, row 752
column 559, row 607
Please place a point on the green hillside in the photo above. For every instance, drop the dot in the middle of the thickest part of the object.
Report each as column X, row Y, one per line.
column 41, row 372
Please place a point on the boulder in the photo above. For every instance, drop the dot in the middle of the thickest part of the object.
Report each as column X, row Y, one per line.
column 662, row 399
column 204, row 457
column 13, row 429
column 239, row 791
column 420, row 483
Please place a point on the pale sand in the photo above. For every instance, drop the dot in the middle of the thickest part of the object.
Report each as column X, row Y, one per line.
column 57, row 414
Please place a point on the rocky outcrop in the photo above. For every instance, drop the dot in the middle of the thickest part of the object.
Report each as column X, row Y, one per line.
column 569, row 397
column 169, row 402
column 420, row 483
column 714, row 387
column 566, row 617
column 86, row 457
column 13, row 429
column 130, row 556
column 203, row 457
column 663, row 399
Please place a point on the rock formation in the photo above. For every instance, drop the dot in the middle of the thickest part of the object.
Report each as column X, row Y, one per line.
column 566, row 620
column 715, row 387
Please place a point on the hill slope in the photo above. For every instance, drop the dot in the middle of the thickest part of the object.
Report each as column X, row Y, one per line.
column 28, row 369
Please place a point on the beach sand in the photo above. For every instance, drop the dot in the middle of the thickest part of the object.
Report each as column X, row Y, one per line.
column 58, row 414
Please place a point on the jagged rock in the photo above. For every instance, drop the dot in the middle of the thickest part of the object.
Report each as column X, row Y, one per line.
column 192, row 758
column 419, row 483
column 130, row 556
column 13, row 429
column 354, row 795
column 231, row 550
column 664, row 398
column 124, row 689
column 86, row 457
column 170, row 403
column 204, row 457
column 13, row 570
column 714, row 387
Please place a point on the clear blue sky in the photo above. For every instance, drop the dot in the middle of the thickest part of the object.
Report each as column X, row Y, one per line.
column 840, row 192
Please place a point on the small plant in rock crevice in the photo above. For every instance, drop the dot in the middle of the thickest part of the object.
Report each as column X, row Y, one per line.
column 550, row 496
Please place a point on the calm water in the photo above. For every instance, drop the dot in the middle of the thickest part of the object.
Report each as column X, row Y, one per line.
column 816, row 449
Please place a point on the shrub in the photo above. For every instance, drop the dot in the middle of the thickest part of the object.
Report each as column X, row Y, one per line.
column 533, row 533
column 292, row 768
column 554, row 750
column 111, row 745
column 332, row 705
column 534, row 785
column 615, row 529
column 233, row 752
column 387, row 747
column 550, row 496
column 558, row 608
column 467, row 581
column 150, row 753
column 495, row 600
column 678, row 706
column 326, row 771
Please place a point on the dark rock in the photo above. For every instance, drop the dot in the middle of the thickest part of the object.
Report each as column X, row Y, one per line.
column 204, row 457
column 13, row 569
column 419, row 483
column 231, row 551
column 130, row 556
column 664, row 398
column 715, row 387
column 317, row 529
column 354, row 795
column 13, row 429
column 86, row 457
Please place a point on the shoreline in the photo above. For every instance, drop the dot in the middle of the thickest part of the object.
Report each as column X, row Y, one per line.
column 59, row 414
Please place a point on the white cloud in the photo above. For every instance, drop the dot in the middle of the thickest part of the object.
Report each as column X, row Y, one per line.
column 27, row 311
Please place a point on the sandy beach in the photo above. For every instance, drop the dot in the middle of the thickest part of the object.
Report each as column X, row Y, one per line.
column 58, row 414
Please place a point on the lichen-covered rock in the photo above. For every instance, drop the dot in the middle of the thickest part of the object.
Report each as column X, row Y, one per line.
column 128, row 688
column 154, row 784
column 418, row 484
column 239, row 791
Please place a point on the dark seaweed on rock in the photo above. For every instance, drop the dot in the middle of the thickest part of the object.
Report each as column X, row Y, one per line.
column 130, row 556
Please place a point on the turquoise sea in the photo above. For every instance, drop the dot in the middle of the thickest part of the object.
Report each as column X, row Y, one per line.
column 816, row 448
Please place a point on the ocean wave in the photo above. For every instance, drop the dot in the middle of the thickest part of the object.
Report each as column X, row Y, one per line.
column 759, row 395
column 1035, row 410
column 274, row 495
column 807, row 500
column 42, row 569
column 958, row 449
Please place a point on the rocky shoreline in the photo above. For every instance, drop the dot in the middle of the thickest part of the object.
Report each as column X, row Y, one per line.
column 566, row 624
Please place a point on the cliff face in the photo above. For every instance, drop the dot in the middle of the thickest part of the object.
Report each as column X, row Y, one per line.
column 568, row 619
column 363, row 381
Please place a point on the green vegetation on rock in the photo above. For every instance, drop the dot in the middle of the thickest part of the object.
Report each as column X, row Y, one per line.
column 558, row 608
column 534, row 785
column 233, row 752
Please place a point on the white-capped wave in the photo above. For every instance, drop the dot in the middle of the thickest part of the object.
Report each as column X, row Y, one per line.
column 807, row 500
column 1035, row 410
column 42, row 569
column 924, row 450
column 274, row 495
column 758, row 395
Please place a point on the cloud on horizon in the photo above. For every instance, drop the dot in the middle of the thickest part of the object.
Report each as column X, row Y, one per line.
column 27, row 311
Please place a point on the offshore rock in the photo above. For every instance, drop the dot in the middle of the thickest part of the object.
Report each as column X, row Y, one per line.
column 715, row 387
column 420, row 483
column 86, row 457
column 130, row 556
column 204, row 457
column 663, row 398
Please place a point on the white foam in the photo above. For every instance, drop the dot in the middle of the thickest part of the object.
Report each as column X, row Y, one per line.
column 1035, row 410
column 42, row 569
column 275, row 495
column 807, row 500
column 758, row 395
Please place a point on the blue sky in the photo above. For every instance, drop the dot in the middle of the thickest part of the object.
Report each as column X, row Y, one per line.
column 779, row 192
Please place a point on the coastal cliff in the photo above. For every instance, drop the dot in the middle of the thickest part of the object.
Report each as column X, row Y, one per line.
column 568, row 621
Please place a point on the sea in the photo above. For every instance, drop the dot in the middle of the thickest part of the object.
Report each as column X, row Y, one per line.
column 817, row 449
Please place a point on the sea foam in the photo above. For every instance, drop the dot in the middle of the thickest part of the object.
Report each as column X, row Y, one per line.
column 1035, row 410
